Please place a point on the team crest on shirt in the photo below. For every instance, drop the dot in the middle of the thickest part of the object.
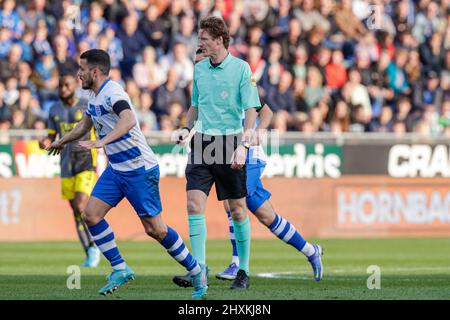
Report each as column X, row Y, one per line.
column 108, row 101
column 224, row 94
column 78, row 115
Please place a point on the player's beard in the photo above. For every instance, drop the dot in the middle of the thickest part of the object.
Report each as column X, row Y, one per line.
column 87, row 84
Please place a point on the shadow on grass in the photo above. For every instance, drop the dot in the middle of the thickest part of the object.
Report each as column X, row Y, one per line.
column 160, row 287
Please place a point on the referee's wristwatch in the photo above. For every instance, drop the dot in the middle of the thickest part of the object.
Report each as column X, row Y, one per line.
column 246, row 144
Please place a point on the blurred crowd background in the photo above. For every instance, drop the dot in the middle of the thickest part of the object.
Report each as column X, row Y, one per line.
column 322, row 65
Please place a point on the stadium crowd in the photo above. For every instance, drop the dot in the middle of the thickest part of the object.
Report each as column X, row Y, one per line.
column 322, row 65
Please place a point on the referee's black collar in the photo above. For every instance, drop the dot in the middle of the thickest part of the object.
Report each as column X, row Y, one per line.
column 222, row 64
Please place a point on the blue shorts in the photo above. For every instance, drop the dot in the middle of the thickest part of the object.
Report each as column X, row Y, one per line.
column 256, row 194
column 140, row 187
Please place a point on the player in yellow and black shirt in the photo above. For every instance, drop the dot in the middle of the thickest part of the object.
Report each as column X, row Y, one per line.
column 78, row 165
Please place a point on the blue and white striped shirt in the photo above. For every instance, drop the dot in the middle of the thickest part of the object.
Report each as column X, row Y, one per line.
column 131, row 151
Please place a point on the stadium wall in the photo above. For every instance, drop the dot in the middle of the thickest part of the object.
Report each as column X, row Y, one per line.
column 348, row 207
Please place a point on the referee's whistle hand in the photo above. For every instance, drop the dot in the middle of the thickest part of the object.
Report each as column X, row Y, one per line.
column 180, row 136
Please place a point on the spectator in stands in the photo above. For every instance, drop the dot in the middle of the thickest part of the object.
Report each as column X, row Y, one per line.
column 279, row 24
column 175, row 113
column 167, row 93
column 91, row 36
column 403, row 113
column 116, row 75
column 63, row 29
column 274, row 68
column 113, row 46
column 317, row 120
column 309, row 16
column 6, row 42
column 46, row 78
column 426, row 22
column 314, row 42
column 10, row 19
column 41, row 45
column 398, row 127
column 314, row 90
column 26, row 42
column 11, row 94
column 166, row 125
column 9, row 67
column 256, row 36
column 404, row 16
column 341, row 115
column 300, row 62
column 155, row 29
column 148, row 74
column 32, row 12
column 133, row 92
column 398, row 80
column 432, row 53
column 133, row 40
column 96, row 15
column 187, row 36
column 347, row 22
column 24, row 73
column 299, row 95
column 180, row 61
column 238, row 46
column 335, row 72
column 281, row 100
column 5, row 112
column 384, row 122
column 146, row 117
column 64, row 62
column 429, row 93
column 359, row 119
column 18, row 120
column 256, row 62
column 323, row 60
column 356, row 94
column 291, row 41
column 413, row 67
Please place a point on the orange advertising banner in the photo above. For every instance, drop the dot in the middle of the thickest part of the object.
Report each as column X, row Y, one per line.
column 348, row 207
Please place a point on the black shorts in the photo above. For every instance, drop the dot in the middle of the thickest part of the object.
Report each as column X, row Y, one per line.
column 210, row 162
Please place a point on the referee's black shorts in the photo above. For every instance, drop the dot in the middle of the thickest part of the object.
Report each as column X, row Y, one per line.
column 210, row 162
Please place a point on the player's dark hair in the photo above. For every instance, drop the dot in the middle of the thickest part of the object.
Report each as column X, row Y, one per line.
column 99, row 58
column 216, row 27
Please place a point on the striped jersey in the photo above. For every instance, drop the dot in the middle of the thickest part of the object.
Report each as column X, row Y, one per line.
column 131, row 151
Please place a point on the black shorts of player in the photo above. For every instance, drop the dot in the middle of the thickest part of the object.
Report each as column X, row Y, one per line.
column 210, row 163
column 82, row 161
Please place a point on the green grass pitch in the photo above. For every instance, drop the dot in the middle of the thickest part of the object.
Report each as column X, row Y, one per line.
column 410, row 269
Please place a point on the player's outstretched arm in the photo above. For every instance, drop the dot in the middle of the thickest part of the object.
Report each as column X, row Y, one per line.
column 265, row 115
column 126, row 122
column 76, row 133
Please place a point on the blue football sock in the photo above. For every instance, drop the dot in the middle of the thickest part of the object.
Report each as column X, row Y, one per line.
column 104, row 239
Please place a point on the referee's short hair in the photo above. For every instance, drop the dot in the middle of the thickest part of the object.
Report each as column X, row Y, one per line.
column 99, row 58
column 216, row 27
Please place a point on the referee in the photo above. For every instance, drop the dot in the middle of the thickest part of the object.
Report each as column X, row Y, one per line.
column 223, row 89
